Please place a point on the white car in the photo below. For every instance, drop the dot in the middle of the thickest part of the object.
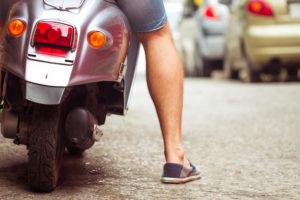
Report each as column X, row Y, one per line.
column 212, row 22
column 174, row 10
column 183, row 33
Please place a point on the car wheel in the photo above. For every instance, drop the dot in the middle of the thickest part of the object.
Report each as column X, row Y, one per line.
column 207, row 68
column 251, row 75
column 189, row 65
column 293, row 74
column 229, row 72
column 254, row 76
column 198, row 62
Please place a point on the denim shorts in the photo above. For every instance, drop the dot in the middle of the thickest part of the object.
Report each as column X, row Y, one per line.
column 144, row 15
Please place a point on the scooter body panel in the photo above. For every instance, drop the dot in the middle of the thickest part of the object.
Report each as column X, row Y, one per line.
column 84, row 64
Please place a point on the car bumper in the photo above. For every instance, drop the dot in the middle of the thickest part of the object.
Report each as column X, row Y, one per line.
column 212, row 47
column 268, row 43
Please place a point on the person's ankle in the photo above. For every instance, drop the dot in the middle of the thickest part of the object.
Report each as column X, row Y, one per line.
column 175, row 155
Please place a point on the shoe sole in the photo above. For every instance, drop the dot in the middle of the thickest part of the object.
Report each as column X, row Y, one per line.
column 179, row 180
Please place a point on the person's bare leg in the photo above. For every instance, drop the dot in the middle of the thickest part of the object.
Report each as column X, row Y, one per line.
column 165, row 83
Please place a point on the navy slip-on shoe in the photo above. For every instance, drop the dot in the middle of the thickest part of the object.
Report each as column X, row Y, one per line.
column 176, row 173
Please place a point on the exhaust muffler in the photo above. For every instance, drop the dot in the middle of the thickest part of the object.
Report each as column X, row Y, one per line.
column 81, row 129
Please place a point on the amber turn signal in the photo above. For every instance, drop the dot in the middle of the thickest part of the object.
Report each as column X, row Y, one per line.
column 256, row 6
column 96, row 39
column 16, row 27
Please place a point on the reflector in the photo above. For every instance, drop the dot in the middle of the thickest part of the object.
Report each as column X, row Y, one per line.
column 52, row 33
column 210, row 12
column 53, row 51
column 96, row 39
column 259, row 7
column 16, row 27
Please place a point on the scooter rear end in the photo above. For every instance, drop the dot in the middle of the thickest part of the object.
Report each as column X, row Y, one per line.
column 64, row 66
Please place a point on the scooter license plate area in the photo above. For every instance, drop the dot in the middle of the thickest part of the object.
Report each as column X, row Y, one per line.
column 48, row 74
column 42, row 94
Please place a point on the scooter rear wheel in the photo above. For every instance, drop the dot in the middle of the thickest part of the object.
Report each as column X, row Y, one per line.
column 45, row 148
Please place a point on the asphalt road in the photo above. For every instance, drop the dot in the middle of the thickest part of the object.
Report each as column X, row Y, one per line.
column 245, row 138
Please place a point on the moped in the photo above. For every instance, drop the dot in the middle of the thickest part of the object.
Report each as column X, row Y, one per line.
column 65, row 65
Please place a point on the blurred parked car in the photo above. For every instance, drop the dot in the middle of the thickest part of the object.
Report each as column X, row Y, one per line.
column 174, row 10
column 190, row 7
column 263, row 36
column 212, row 20
column 181, row 23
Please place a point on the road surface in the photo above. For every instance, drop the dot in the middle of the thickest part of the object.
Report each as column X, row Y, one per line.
column 245, row 138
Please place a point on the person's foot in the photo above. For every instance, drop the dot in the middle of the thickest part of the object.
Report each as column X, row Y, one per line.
column 175, row 173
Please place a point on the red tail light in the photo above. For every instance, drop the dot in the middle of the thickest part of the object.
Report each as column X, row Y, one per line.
column 54, row 38
column 259, row 7
column 210, row 12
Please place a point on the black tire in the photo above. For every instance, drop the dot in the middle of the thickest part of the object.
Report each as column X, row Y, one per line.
column 255, row 77
column 45, row 148
column 189, row 70
column 229, row 72
column 252, row 75
column 293, row 74
column 198, row 61
column 74, row 151
column 207, row 68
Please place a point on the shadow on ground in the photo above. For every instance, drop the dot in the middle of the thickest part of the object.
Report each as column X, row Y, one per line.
column 76, row 171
